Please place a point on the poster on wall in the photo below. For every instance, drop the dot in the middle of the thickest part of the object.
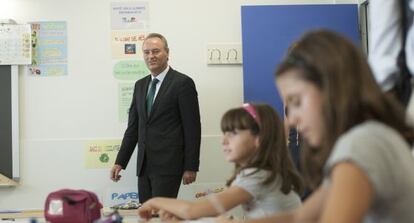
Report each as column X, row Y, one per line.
column 101, row 154
column 124, row 100
column 49, row 49
column 15, row 46
column 129, row 27
column 126, row 44
column 128, row 63
column 129, row 15
column 129, row 69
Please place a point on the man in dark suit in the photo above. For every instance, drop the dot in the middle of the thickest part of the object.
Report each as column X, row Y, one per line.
column 164, row 119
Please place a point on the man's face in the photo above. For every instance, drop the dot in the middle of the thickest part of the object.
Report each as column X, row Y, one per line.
column 155, row 55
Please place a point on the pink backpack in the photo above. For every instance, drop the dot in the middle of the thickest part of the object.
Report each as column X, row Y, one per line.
column 72, row 206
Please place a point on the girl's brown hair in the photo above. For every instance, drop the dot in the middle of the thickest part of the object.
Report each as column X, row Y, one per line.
column 350, row 94
column 272, row 154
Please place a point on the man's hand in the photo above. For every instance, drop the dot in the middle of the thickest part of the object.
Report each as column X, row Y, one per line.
column 189, row 177
column 116, row 169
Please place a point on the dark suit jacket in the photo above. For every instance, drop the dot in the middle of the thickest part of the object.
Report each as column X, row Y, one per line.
column 169, row 139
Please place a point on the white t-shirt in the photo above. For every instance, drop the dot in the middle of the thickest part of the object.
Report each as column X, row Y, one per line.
column 409, row 48
column 267, row 199
column 385, row 41
column 385, row 158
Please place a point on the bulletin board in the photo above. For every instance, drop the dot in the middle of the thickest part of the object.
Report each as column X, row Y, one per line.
column 267, row 32
column 15, row 44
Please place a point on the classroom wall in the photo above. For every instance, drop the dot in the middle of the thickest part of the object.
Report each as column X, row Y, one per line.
column 58, row 115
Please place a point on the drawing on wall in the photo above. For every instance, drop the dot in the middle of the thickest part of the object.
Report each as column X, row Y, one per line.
column 49, row 49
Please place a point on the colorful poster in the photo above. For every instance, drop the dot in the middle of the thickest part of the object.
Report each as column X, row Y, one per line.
column 129, row 27
column 125, row 93
column 15, row 46
column 127, row 44
column 101, row 154
column 129, row 15
column 49, row 49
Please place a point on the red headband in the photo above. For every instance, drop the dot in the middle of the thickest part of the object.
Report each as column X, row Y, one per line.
column 252, row 112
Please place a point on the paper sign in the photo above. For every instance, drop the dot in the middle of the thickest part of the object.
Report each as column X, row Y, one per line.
column 101, row 154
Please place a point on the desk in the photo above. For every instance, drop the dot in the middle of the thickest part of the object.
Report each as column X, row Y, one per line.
column 129, row 216
column 22, row 214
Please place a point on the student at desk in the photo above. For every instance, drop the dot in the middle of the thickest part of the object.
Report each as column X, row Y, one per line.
column 265, row 180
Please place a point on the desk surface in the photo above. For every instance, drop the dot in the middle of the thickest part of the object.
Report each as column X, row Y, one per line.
column 127, row 214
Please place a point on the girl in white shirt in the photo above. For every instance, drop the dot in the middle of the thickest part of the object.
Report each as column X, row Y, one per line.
column 265, row 180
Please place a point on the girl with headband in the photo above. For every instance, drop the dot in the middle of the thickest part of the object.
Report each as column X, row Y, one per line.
column 264, row 181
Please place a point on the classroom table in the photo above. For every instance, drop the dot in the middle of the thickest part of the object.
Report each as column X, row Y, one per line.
column 129, row 216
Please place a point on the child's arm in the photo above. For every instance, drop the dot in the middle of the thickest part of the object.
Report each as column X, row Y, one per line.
column 308, row 213
column 350, row 195
column 226, row 200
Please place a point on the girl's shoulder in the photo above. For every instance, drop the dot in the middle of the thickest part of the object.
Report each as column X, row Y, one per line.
column 370, row 130
column 252, row 170
column 366, row 144
column 253, row 173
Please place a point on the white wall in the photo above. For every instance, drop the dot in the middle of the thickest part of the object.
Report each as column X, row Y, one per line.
column 59, row 114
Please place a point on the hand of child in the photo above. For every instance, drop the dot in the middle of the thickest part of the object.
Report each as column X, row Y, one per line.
column 167, row 216
column 146, row 211
column 225, row 219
